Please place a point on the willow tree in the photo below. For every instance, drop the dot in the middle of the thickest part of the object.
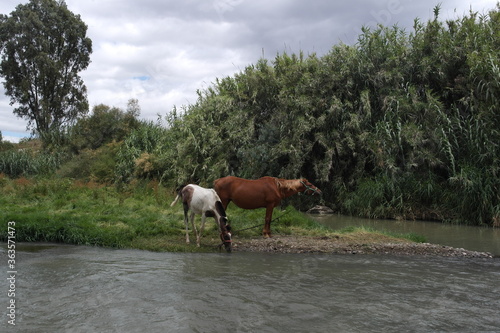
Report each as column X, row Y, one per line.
column 43, row 47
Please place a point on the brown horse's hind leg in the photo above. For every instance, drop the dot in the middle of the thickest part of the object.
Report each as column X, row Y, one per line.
column 266, row 232
column 225, row 202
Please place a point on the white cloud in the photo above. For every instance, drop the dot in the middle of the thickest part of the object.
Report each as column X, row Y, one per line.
column 11, row 138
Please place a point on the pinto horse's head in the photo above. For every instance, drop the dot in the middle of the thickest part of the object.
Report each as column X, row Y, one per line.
column 224, row 228
column 309, row 188
column 225, row 235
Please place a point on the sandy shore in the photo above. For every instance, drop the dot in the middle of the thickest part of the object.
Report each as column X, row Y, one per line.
column 340, row 245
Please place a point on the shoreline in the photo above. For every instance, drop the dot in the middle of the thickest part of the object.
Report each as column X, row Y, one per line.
column 294, row 244
column 336, row 245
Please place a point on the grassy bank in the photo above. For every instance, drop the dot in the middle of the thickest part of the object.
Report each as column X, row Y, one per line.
column 138, row 216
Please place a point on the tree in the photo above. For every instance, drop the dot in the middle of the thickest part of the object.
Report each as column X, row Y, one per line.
column 43, row 47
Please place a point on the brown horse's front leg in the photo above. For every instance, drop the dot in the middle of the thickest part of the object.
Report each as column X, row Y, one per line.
column 266, row 232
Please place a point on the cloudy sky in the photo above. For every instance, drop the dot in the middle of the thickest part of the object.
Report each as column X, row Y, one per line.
column 162, row 51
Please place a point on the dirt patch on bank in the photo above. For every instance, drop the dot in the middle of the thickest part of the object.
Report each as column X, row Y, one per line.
column 347, row 245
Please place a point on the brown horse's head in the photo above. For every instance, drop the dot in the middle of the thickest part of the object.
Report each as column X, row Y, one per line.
column 309, row 188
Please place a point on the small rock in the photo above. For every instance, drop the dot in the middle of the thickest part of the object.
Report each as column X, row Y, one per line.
column 320, row 210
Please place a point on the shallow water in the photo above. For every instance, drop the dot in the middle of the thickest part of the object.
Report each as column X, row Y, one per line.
column 85, row 289
column 468, row 237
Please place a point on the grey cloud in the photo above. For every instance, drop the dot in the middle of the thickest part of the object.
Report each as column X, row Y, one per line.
column 161, row 52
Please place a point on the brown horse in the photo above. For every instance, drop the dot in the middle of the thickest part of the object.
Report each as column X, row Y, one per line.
column 265, row 192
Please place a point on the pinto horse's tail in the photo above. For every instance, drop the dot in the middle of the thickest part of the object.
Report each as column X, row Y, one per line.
column 178, row 195
column 175, row 201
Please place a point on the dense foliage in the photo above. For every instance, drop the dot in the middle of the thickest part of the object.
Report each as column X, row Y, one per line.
column 400, row 125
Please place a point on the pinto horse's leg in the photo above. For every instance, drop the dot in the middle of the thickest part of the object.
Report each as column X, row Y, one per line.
column 186, row 223
column 198, row 237
column 266, row 232
column 193, row 225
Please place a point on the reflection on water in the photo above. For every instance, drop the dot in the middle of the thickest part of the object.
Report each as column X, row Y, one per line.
column 84, row 289
column 467, row 237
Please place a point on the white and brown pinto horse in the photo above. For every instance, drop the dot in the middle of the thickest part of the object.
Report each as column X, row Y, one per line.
column 265, row 192
column 205, row 202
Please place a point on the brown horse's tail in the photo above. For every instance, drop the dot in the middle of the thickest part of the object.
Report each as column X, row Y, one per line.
column 215, row 183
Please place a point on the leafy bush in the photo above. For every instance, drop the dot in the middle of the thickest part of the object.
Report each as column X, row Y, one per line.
column 139, row 151
column 97, row 165
column 105, row 125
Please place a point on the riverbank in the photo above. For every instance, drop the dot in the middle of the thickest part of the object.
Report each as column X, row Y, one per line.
column 140, row 217
column 360, row 243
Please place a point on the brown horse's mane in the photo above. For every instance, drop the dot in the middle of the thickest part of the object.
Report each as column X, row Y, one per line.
column 286, row 186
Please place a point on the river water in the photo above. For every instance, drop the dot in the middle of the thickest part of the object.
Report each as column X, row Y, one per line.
column 60, row 288
column 468, row 237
